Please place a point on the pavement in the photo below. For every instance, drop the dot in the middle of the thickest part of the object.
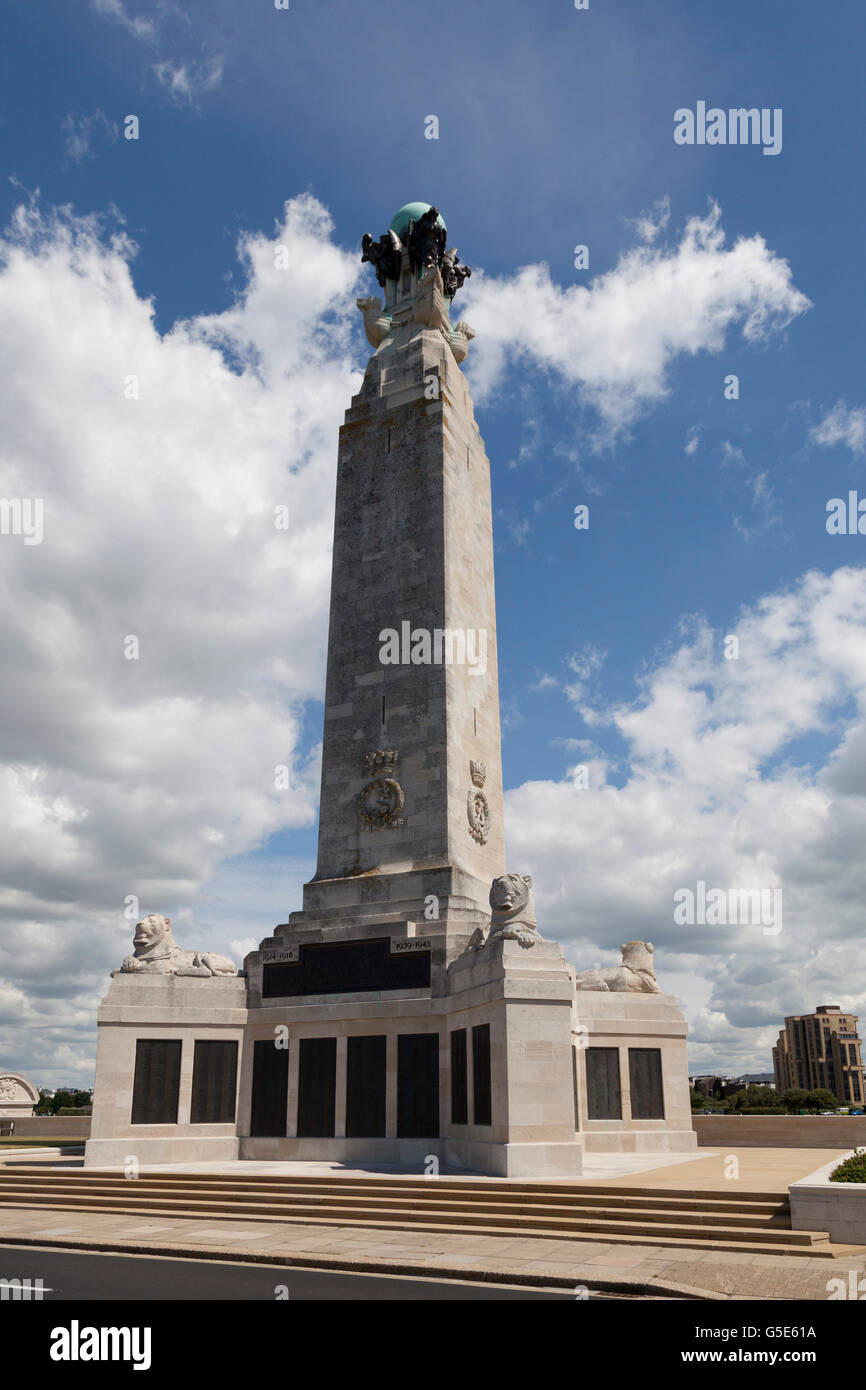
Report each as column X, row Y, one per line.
column 615, row 1267
column 559, row 1263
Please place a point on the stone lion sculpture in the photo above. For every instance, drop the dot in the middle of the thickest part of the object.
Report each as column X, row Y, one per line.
column 157, row 954
column 512, row 911
column 636, row 974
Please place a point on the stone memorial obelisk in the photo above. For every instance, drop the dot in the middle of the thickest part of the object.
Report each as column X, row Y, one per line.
column 411, row 1011
column 411, row 829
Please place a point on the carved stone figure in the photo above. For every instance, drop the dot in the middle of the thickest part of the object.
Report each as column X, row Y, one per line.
column 157, row 954
column 426, row 241
column 384, row 255
column 377, row 324
column 478, row 815
column 453, row 273
column 512, row 911
column 459, row 340
column 381, row 801
column 636, row 974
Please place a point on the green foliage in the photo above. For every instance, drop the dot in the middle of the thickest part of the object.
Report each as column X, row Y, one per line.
column 63, row 1102
column 821, row 1100
column 851, row 1169
column 794, row 1099
column 752, row 1097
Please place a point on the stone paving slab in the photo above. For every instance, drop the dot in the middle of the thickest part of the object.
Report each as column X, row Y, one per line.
column 596, row 1264
column 758, row 1170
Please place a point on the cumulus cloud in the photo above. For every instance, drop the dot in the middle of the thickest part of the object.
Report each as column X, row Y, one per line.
column 842, row 425
column 723, row 785
column 616, row 340
column 161, row 461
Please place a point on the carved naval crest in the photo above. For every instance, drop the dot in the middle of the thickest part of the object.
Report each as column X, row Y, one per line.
column 382, row 800
column 8, row 1088
column 477, row 808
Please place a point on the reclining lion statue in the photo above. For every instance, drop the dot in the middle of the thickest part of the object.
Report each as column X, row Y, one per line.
column 156, row 953
column 636, row 974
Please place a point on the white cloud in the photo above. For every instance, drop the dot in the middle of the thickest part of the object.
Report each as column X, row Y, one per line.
column 765, row 507
column 842, row 425
column 617, row 339
column 140, row 26
column 186, row 82
column 81, row 131
column 186, row 75
column 720, row 789
column 648, row 225
column 123, row 777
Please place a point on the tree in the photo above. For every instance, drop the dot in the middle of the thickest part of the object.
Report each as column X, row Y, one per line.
column 699, row 1100
column 821, row 1099
column 755, row 1096
column 794, row 1099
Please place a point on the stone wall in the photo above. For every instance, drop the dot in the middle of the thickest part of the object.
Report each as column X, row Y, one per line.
column 781, row 1131
column 48, row 1126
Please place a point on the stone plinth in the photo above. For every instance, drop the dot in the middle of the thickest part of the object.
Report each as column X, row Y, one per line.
column 622, row 1021
column 168, row 1007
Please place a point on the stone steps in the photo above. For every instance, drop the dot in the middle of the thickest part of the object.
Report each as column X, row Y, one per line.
column 551, row 1218
column 471, row 1207
column 560, row 1192
column 749, row 1222
column 609, row 1233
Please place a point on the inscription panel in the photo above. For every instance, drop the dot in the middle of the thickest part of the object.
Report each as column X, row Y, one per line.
column 481, row 1090
column 365, row 1087
column 418, row 1086
column 645, row 1083
column 317, row 1088
column 270, row 1098
column 603, row 1091
column 156, row 1088
column 214, row 1082
column 348, row 967
column 459, row 1085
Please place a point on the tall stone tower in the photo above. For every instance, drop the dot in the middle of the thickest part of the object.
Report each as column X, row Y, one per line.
column 402, row 944
column 411, row 817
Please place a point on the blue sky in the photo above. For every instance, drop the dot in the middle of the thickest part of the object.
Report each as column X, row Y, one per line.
column 556, row 129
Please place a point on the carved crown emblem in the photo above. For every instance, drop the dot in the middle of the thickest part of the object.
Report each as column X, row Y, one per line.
column 382, row 762
column 478, row 772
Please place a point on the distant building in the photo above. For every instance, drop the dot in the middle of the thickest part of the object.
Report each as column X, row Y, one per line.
column 821, row 1051
column 715, row 1087
column 720, row 1087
